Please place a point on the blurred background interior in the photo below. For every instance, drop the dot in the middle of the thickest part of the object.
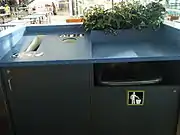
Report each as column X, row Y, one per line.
column 60, row 10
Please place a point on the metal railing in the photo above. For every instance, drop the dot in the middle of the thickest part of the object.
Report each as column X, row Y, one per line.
column 174, row 6
column 5, row 27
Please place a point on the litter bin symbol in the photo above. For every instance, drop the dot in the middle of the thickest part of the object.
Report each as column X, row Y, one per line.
column 135, row 97
column 138, row 101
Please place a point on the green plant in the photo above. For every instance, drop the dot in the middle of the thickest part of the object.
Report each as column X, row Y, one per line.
column 124, row 15
column 155, row 14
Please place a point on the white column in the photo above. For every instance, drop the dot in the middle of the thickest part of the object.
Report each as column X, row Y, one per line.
column 70, row 8
column 17, row 2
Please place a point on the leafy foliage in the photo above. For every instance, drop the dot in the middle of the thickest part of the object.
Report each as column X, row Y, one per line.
column 124, row 15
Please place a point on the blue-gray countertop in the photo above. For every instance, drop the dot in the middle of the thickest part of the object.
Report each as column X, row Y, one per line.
column 57, row 52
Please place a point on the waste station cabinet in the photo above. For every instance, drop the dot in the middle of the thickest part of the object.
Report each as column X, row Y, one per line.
column 138, row 98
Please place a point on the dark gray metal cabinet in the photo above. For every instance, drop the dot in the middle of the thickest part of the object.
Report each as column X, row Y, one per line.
column 4, row 117
column 49, row 100
column 112, row 116
column 178, row 127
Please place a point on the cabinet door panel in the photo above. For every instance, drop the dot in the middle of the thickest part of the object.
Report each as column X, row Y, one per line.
column 46, row 100
column 112, row 115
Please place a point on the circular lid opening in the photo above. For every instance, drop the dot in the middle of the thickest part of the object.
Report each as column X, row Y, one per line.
column 69, row 40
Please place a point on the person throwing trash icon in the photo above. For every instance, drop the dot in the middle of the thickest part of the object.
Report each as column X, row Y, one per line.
column 133, row 98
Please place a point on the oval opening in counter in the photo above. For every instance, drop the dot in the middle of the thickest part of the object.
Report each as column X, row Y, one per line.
column 34, row 45
column 69, row 40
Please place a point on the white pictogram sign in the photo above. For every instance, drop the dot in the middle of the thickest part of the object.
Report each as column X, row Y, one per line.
column 135, row 97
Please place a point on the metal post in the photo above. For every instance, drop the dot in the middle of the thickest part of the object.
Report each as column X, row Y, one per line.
column 76, row 7
column 112, row 3
column 175, row 4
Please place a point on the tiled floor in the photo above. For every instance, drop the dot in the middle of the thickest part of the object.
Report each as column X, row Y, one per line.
column 178, row 130
column 3, row 126
column 59, row 18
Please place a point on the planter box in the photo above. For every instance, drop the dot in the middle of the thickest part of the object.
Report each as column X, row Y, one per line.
column 124, row 36
column 74, row 20
column 172, row 18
